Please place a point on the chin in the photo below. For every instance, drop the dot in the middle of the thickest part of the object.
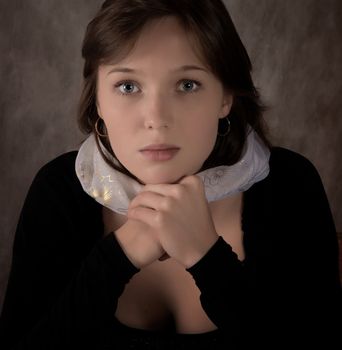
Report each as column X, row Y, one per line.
column 161, row 179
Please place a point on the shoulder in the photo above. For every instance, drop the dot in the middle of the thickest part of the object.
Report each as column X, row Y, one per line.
column 59, row 170
column 288, row 160
column 291, row 167
column 62, row 165
column 57, row 180
column 292, row 177
column 56, row 196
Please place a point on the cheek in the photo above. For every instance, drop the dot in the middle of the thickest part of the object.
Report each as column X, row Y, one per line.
column 118, row 122
column 118, row 136
column 203, row 135
column 204, row 123
column 209, row 134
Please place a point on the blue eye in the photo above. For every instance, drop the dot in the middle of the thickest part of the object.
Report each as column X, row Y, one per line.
column 190, row 85
column 126, row 87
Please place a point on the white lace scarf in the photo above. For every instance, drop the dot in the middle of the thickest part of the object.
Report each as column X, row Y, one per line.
column 115, row 190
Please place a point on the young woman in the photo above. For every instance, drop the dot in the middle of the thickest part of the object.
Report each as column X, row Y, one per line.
column 176, row 223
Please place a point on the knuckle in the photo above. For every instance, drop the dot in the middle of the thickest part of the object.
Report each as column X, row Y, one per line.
column 177, row 191
column 131, row 212
column 132, row 202
column 197, row 182
column 166, row 204
column 159, row 219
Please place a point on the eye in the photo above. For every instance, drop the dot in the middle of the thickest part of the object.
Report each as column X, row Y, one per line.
column 190, row 85
column 126, row 87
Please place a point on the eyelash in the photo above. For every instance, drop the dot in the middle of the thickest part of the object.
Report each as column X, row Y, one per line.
column 116, row 86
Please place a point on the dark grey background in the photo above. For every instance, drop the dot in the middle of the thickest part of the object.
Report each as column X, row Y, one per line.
column 296, row 48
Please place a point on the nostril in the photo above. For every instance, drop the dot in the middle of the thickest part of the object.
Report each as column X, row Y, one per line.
column 154, row 125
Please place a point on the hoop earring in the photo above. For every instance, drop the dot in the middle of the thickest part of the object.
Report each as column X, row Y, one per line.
column 228, row 129
column 97, row 131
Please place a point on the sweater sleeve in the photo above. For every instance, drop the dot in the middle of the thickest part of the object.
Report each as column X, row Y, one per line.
column 223, row 283
column 288, row 288
column 62, row 289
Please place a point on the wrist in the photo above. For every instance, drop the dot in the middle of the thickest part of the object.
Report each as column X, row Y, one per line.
column 195, row 257
column 139, row 246
column 127, row 243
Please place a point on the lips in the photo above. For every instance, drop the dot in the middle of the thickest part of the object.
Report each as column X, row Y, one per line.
column 158, row 147
column 159, row 152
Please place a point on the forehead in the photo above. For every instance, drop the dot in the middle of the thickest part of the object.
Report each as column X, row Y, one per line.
column 163, row 41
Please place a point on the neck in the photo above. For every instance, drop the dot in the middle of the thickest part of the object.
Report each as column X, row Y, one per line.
column 227, row 208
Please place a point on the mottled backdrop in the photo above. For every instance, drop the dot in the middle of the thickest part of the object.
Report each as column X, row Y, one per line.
column 296, row 48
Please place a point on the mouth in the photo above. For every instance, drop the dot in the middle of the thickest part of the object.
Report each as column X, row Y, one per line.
column 159, row 152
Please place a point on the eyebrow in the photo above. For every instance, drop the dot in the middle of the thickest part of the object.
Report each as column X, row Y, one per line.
column 184, row 68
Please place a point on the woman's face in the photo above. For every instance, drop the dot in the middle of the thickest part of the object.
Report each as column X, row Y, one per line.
column 161, row 93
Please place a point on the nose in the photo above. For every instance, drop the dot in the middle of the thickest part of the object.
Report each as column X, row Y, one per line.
column 157, row 113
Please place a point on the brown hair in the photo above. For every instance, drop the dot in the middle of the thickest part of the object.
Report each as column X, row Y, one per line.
column 114, row 31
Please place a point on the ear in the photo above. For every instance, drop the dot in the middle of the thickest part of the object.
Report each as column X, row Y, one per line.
column 226, row 105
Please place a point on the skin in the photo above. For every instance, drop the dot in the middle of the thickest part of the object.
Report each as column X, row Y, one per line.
column 158, row 103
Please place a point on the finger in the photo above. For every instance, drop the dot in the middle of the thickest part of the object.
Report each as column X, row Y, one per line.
column 164, row 189
column 193, row 184
column 146, row 199
column 191, row 180
column 143, row 214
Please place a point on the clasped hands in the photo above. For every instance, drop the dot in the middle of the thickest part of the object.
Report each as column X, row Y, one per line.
column 168, row 220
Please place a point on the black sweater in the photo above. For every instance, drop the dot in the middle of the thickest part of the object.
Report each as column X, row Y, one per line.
column 66, row 276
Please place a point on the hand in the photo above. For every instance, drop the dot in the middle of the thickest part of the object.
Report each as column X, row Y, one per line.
column 140, row 247
column 179, row 216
